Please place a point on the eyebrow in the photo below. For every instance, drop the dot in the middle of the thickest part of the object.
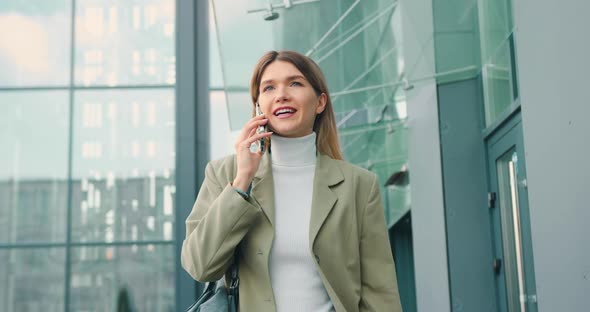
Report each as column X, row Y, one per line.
column 290, row 78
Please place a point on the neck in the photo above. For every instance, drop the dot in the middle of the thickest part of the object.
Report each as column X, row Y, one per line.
column 293, row 152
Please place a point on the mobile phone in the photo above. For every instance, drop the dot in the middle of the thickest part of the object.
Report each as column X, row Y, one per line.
column 260, row 129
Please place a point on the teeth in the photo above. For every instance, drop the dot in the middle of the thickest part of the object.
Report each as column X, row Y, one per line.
column 284, row 110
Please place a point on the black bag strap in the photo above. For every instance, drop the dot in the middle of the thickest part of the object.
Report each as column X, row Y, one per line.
column 234, row 279
column 234, row 283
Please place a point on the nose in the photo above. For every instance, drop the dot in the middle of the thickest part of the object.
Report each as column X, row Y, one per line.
column 282, row 95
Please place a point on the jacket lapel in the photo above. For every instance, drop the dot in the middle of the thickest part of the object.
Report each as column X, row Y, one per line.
column 327, row 174
column 263, row 188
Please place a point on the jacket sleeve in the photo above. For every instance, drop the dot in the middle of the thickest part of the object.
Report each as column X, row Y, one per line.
column 220, row 218
column 379, row 291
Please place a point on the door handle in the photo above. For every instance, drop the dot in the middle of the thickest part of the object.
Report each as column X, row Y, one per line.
column 497, row 265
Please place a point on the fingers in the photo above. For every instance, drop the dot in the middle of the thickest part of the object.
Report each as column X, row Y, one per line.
column 252, row 125
column 240, row 140
column 252, row 137
column 256, row 121
column 256, row 137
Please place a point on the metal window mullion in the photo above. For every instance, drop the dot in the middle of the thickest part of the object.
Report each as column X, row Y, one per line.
column 329, row 32
column 86, row 244
column 339, row 37
column 78, row 88
column 280, row 5
column 367, row 71
column 68, row 263
column 192, row 126
column 357, row 32
column 401, row 81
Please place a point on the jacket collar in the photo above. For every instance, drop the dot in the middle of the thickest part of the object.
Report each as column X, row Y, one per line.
column 327, row 174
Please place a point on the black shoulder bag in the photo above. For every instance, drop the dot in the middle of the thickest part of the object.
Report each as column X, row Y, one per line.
column 216, row 297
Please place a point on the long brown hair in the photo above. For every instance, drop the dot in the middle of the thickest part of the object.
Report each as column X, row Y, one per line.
column 325, row 122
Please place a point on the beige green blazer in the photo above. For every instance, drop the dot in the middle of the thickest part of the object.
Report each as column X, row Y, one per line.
column 347, row 234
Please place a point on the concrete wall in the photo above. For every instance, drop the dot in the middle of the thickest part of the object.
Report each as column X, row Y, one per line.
column 553, row 52
column 428, row 222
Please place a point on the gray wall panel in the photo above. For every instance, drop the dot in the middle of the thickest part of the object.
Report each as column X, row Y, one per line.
column 552, row 53
column 428, row 220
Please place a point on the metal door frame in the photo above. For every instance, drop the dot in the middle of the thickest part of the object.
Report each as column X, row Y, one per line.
column 504, row 139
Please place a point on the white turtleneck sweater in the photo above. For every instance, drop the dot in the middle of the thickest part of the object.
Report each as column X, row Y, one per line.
column 296, row 283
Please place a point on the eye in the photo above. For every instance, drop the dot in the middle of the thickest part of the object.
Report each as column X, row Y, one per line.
column 267, row 88
column 296, row 83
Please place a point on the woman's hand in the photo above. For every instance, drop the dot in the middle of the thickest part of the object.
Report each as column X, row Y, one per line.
column 247, row 161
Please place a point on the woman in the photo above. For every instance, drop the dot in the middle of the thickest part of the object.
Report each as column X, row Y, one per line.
column 307, row 228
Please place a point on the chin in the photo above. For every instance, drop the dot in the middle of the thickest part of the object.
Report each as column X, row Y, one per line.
column 288, row 131
column 282, row 131
column 290, row 134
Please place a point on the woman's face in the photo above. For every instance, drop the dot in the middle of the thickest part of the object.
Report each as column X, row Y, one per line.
column 288, row 100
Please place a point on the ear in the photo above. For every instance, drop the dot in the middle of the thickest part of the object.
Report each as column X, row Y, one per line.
column 322, row 100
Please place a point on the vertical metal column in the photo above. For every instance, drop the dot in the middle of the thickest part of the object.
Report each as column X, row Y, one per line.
column 68, row 264
column 192, row 125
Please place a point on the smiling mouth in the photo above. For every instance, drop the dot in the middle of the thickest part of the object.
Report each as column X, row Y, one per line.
column 284, row 111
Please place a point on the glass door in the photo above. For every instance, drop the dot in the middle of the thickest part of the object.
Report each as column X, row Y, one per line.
column 509, row 212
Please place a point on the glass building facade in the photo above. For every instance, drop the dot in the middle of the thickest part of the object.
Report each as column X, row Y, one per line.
column 87, row 129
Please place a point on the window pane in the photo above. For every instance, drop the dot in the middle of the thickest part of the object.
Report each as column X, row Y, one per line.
column 239, row 108
column 220, row 136
column 124, row 42
column 496, row 27
column 35, row 42
column 32, row 279
column 33, row 166
column 215, row 70
column 456, row 36
column 100, row 275
column 383, row 149
column 497, row 82
column 123, row 165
